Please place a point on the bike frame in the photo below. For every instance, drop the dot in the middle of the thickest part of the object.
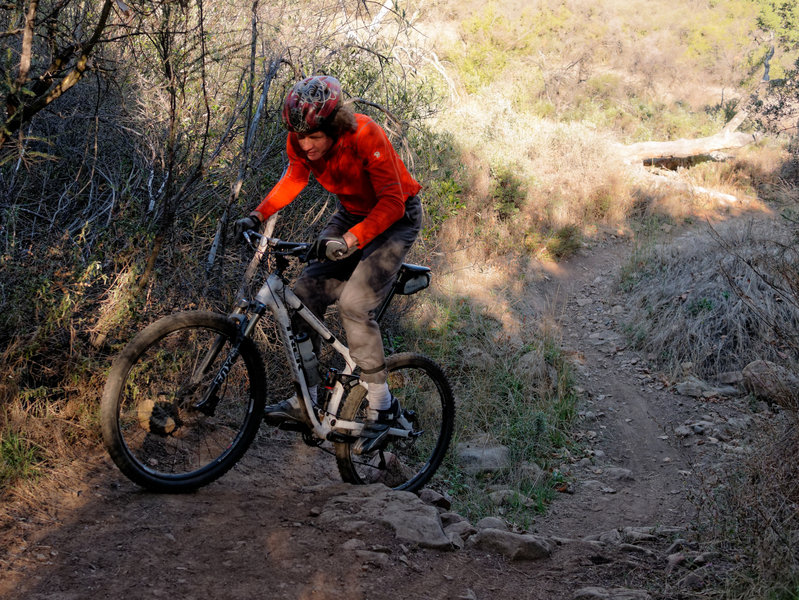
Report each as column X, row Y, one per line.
column 277, row 297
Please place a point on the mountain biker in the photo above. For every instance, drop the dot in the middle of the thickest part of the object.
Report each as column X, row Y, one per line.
column 362, row 246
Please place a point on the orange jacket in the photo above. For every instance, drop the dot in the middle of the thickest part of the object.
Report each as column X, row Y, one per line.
column 362, row 169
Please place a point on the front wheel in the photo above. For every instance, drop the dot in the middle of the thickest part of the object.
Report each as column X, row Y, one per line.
column 428, row 412
column 161, row 426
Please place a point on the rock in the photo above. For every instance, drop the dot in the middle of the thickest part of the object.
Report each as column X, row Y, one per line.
column 353, row 544
column 772, row 383
column 531, row 473
column 674, row 560
column 463, row 529
column 610, row 537
column 701, row 427
column 378, row 559
column 683, row 431
column 435, row 498
column 741, row 422
column 637, row 534
column 411, row 519
column 620, row 474
column 676, row 546
column 491, row 523
column 592, row 485
column 693, row 386
column 457, row 541
column 636, row 549
column 477, row 357
column 501, row 497
column 706, row 557
column 692, row 581
column 448, row 518
column 476, row 459
column 533, row 364
column 730, row 377
column 726, row 390
column 592, row 593
column 515, row 546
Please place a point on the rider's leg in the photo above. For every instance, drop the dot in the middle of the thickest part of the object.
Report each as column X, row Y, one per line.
column 360, row 299
column 365, row 290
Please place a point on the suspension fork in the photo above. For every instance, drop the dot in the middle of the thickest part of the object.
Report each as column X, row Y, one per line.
column 210, row 398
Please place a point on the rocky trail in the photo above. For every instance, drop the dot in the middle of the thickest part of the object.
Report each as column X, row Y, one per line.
column 282, row 525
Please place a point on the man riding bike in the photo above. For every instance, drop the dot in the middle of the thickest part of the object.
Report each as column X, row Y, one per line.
column 362, row 246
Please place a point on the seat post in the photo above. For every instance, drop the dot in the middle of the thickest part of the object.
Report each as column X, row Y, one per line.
column 381, row 311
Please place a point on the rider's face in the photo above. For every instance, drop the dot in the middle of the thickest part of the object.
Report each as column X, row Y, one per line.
column 315, row 145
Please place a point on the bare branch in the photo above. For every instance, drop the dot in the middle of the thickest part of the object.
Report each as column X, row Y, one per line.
column 27, row 111
column 27, row 44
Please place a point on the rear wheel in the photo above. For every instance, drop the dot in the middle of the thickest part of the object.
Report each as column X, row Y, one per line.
column 158, row 426
column 428, row 411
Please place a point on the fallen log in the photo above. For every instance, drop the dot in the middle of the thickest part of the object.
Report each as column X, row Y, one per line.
column 727, row 138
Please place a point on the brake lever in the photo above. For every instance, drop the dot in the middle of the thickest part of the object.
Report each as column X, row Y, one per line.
column 249, row 234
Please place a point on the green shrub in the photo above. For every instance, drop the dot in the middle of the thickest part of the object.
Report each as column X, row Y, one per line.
column 19, row 458
column 565, row 242
column 508, row 192
column 442, row 200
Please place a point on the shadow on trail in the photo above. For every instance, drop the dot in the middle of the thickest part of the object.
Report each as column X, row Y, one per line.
column 248, row 535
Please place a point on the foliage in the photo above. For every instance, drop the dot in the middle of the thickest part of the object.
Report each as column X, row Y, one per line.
column 778, row 103
column 508, row 191
column 443, row 200
column 520, row 397
column 19, row 458
column 781, row 17
column 110, row 200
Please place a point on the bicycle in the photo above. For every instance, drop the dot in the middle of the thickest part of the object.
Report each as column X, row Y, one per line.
column 185, row 398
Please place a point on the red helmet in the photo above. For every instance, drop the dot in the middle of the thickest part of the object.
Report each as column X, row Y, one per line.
column 311, row 103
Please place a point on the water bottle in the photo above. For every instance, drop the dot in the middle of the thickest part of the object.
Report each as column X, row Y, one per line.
column 310, row 364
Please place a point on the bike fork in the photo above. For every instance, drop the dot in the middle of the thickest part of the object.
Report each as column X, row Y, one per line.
column 210, row 398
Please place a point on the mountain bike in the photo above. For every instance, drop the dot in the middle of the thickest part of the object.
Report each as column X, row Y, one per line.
column 185, row 398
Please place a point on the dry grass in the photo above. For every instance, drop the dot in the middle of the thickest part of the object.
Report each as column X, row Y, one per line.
column 529, row 179
column 512, row 383
column 719, row 299
column 749, row 515
column 696, row 298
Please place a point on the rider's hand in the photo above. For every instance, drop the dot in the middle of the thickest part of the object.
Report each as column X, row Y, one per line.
column 331, row 248
column 248, row 223
column 336, row 248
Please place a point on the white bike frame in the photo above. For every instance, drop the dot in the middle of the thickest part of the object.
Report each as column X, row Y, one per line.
column 276, row 296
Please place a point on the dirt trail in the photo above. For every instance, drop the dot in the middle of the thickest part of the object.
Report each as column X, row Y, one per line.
column 629, row 415
column 254, row 534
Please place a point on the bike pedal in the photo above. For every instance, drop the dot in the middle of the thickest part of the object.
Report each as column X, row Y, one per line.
column 289, row 425
column 338, row 437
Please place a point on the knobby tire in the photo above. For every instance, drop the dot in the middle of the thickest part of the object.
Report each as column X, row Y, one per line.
column 404, row 464
column 151, row 428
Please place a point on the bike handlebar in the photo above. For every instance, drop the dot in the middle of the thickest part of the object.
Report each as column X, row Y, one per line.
column 296, row 249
